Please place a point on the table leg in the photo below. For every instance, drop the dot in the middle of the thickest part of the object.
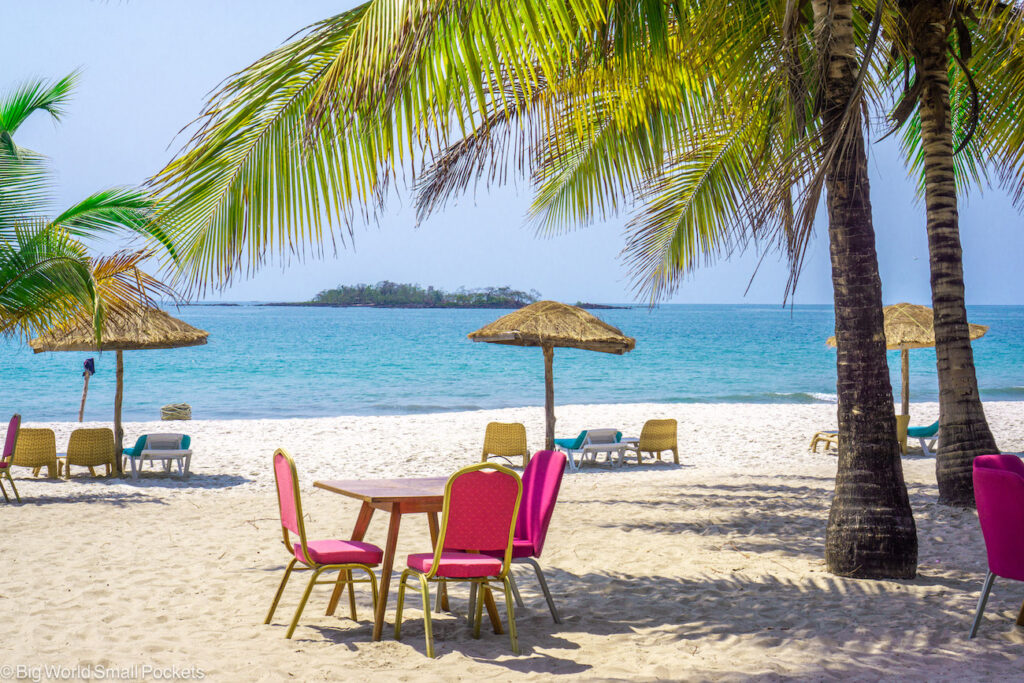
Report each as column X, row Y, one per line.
column 385, row 572
column 442, row 588
column 362, row 522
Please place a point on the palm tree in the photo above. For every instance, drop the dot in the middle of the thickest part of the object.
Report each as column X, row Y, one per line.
column 47, row 276
column 929, row 35
column 603, row 104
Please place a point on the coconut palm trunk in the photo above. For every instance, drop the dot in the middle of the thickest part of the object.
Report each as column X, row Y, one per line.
column 963, row 431
column 871, row 531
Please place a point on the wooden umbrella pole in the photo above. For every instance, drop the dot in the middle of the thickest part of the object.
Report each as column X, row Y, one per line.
column 549, row 397
column 905, row 363
column 85, row 391
column 118, row 397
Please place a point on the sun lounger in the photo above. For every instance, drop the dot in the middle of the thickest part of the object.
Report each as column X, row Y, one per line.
column 829, row 438
column 927, row 436
column 166, row 448
column 600, row 441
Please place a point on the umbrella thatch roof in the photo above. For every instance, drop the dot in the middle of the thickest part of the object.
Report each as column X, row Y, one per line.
column 909, row 326
column 148, row 328
column 549, row 323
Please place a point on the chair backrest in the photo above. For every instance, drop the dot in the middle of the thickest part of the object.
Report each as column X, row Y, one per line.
column 35, row 447
column 480, row 507
column 288, row 501
column 541, row 480
column 91, row 446
column 505, row 438
column 578, row 441
column 12, row 437
column 602, row 436
column 658, row 435
column 999, row 495
column 164, row 442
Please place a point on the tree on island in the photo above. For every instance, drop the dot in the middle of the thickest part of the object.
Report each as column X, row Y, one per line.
column 387, row 293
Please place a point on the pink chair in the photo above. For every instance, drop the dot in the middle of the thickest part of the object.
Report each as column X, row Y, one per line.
column 8, row 456
column 319, row 556
column 477, row 521
column 542, row 479
column 999, row 495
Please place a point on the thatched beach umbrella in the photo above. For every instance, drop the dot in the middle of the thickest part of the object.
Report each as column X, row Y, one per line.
column 548, row 324
column 148, row 328
column 909, row 326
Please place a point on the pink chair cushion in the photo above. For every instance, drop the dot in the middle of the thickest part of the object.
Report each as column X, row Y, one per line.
column 999, row 496
column 521, row 547
column 284, row 476
column 457, row 565
column 340, row 552
column 542, row 479
column 12, row 436
column 480, row 510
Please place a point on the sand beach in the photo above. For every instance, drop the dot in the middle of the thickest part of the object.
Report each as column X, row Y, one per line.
column 710, row 570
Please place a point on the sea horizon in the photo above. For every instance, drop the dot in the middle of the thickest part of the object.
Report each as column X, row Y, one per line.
column 293, row 362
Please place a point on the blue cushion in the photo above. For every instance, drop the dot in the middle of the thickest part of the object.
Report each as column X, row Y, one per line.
column 923, row 432
column 572, row 443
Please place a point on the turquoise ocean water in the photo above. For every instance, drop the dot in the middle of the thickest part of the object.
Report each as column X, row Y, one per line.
column 307, row 362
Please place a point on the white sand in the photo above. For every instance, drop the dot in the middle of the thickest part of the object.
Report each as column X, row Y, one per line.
column 710, row 570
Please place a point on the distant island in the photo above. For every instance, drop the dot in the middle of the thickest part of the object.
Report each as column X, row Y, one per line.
column 388, row 294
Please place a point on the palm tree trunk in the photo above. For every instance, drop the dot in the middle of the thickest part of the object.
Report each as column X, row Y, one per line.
column 871, row 531
column 963, row 430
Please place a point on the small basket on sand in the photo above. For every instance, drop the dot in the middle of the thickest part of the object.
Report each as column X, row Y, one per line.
column 176, row 411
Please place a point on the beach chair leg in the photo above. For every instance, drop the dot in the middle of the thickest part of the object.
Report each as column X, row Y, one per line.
column 399, row 606
column 1020, row 616
column 17, row 496
column 339, row 588
column 544, row 588
column 515, row 591
column 188, row 463
column 989, row 579
column 510, row 610
column 4, row 491
column 280, row 590
column 427, row 625
column 302, row 603
column 442, row 590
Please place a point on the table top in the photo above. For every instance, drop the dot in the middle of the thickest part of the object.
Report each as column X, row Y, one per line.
column 388, row 490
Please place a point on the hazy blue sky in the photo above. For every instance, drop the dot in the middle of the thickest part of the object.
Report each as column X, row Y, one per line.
column 148, row 65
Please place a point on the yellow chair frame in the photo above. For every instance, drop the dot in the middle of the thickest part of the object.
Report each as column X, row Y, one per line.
column 90, row 448
column 483, row 583
column 6, row 471
column 36, row 448
column 346, row 569
column 656, row 437
column 505, row 440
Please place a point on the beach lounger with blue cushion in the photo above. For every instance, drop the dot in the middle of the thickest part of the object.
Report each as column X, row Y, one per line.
column 928, row 436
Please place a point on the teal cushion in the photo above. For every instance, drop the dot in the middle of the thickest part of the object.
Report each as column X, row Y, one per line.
column 923, row 432
column 572, row 443
column 140, row 445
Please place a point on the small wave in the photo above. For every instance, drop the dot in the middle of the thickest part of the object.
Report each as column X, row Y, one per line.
column 418, row 408
column 1003, row 392
column 761, row 397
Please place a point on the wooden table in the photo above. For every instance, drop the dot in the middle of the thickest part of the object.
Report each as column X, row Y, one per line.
column 399, row 497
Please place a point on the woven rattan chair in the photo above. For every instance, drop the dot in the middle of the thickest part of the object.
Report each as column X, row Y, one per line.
column 505, row 440
column 90, row 448
column 36, row 448
column 656, row 437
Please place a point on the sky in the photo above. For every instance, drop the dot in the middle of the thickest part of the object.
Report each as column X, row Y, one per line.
column 148, row 66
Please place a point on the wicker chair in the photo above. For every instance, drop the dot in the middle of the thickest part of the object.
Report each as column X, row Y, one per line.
column 91, row 448
column 36, row 448
column 656, row 437
column 505, row 440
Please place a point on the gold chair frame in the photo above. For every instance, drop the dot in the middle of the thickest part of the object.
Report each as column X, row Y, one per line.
column 346, row 569
column 483, row 583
